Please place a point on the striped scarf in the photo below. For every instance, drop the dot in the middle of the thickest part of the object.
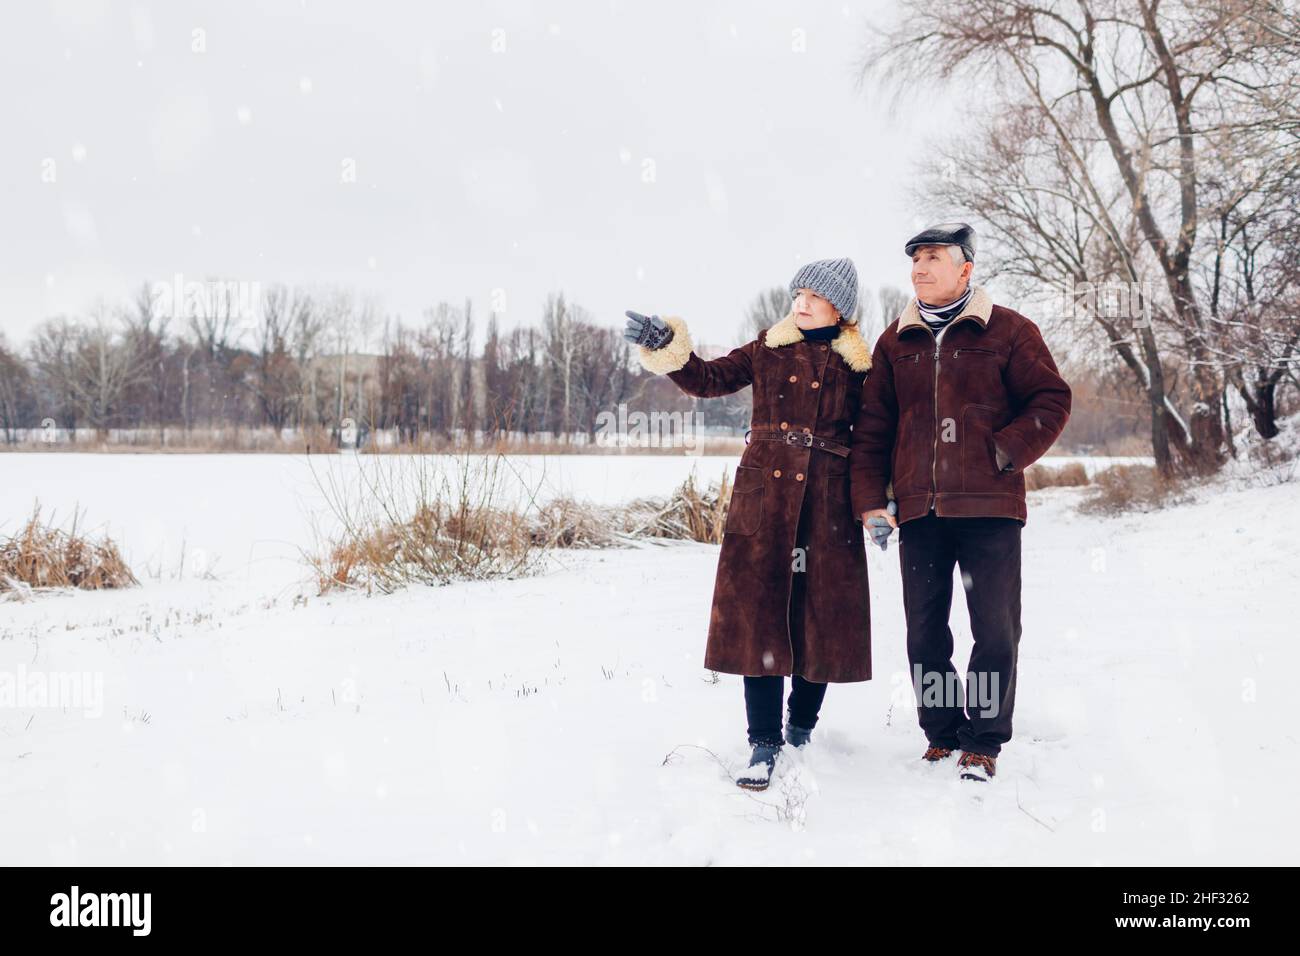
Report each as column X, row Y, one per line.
column 938, row 316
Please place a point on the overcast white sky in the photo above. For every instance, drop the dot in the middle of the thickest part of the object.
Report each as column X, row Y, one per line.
column 496, row 146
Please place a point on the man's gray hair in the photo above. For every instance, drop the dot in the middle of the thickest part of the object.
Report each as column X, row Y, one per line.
column 957, row 253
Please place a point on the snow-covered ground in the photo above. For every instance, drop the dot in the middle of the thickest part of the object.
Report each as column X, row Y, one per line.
column 565, row 718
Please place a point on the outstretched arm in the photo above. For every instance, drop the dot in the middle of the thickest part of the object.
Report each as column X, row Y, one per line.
column 675, row 357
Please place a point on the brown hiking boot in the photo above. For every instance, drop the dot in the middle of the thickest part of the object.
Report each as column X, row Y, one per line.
column 979, row 767
column 935, row 754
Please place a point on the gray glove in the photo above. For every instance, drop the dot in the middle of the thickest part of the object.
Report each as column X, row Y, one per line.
column 1004, row 463
column 879, row 528
column 647, row 330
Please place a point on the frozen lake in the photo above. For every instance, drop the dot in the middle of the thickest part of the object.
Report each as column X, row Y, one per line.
column 247, row 515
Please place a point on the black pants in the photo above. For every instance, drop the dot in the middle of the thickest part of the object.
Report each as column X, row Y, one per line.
column 763, row 706
column 977, row 716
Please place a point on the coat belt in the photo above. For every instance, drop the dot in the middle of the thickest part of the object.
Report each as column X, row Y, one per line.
column 802, row 439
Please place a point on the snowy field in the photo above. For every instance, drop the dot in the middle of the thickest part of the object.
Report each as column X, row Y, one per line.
column 235, row 717
column 250, row 517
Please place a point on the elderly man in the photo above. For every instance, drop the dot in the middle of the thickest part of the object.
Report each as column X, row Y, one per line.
column 962, row 396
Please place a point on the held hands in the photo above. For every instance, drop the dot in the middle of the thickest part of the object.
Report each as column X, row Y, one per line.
column 880, row 524
column 647, row 330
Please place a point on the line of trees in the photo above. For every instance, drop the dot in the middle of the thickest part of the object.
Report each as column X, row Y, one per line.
column 301, row 365
column 307, row 361
column 305, row 366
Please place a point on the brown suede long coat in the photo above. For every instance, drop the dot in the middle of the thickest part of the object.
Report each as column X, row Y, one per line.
column 800, row 388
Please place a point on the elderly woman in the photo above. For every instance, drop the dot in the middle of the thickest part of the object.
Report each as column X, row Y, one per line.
column 790, row 598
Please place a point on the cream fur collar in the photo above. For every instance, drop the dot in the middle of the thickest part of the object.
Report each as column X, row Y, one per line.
column 849, row 343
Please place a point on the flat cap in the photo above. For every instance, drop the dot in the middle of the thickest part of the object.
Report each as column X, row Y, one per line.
column 945, row 234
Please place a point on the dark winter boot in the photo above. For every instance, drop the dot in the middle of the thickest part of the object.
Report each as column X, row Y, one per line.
column 980, row 767
column 935, row 754
column 797, row 736
column 761, row 764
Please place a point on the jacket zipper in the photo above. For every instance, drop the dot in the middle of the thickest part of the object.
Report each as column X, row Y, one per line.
column 934, row 451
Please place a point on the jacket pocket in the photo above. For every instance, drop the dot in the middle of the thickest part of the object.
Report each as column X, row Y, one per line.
column 908, row 476
column 974, row 352
column 745, row 510
column 979, row 466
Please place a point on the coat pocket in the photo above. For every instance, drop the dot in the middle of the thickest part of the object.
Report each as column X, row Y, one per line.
column 841, row 524
column 745, row 510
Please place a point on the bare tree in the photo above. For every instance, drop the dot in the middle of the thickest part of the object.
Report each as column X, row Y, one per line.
column 467, row 421
column 146, row 327
column 17, row 400
column 601, row 371
column 524, row 393
column 440, row 366
column 100, row 367
column 1092, row 171
column 307, row 335
column 275, row 376
column 561, row 343
column 399, row 382
column 1253, row 284
column 53, row 355
column 890, row 302
column 767, row 308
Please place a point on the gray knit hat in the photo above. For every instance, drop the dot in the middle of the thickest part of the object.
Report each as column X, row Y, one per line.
column 835, row 280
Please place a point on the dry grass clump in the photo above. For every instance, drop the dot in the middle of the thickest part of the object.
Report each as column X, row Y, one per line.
column 438, row 544
column 42, row 556
column 566, row 523
column 419, row 524
column 1070, row 475
column 424, row 520
column 1123, row 488
column 689, row 513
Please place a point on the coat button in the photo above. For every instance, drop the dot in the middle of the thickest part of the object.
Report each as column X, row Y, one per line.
column 799, row 477
column 807, row 431
column 784, row 426
column 776, row 473
column 816, row 384
column 794, row 378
